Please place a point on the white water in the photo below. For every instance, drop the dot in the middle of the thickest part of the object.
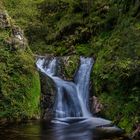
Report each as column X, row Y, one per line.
column 72, row 98
column 82, row 79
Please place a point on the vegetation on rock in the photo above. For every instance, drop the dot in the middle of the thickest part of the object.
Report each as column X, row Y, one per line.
column 19, row 81
column 108, row 30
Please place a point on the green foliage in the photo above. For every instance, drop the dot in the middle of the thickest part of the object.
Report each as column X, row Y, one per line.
column 19, row 81
column 84, row 49
column 106, row 29
column 19, row 85
column 69, row 66
column 27, row 11
column 122, row 110
column 116, row 74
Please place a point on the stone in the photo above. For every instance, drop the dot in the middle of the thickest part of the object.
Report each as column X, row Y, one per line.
column 47, row 97
column 136, row 133
column 17, row 40
column 96, row 105
column 17, row 33
column 5, row 21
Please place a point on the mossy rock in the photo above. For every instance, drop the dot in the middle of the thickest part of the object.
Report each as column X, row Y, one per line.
column 19, row 80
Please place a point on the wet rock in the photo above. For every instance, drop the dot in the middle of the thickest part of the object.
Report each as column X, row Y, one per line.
column 136, row 133
column 47, row 97
column 96, row 105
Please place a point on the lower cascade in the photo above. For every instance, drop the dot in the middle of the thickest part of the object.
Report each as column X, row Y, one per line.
column 72, row 98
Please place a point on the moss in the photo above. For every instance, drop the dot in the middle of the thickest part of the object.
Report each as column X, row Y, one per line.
column 116, row 74
column 19, row 86
column 69, row 66
column 19, row 81
column 105, row 29
column 27, row 11
column 84, row 49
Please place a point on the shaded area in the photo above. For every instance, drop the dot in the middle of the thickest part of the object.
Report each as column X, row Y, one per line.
column 48, row 131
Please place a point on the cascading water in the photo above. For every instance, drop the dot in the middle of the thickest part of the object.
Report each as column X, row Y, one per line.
column 81, row 80
column 72, row 118
column 72, row 98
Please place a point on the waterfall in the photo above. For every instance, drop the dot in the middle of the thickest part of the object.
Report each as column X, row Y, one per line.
column 82, row 79
column 72, row 97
